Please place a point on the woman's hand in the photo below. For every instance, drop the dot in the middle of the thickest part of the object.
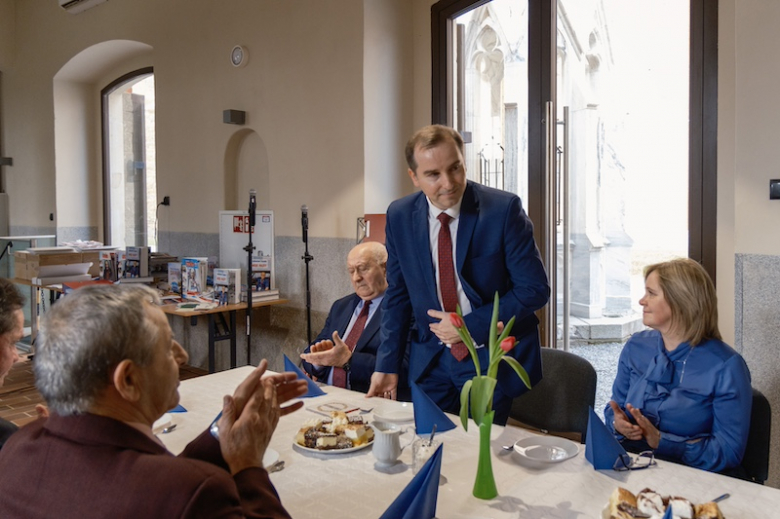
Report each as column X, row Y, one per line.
column 623, row 425
column 649, row 431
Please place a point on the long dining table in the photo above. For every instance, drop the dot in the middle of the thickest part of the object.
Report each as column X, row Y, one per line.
column 349, row 485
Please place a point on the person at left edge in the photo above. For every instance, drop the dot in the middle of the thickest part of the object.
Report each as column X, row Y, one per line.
column 367, row 267
column 11, row 331
column 108, row 366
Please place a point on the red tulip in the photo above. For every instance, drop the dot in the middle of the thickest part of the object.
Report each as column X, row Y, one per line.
column 456, row 321
column 508, row 343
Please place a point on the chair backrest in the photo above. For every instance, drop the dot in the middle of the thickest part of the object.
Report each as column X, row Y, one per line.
column 560, row 402
column 756, row 459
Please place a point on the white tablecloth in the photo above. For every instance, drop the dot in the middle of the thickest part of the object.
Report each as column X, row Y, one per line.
column 349, row 486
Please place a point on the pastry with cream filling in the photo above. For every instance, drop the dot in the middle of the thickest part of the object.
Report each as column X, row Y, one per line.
column 340, row 432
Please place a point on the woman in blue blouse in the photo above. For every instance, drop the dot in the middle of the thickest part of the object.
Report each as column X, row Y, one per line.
column 679, row 389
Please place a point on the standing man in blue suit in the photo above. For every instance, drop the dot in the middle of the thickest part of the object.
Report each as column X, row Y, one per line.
column 485, row 237
column 344, row 353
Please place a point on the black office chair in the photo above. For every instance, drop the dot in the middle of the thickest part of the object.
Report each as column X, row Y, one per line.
column 756, row 460
column 560, row 402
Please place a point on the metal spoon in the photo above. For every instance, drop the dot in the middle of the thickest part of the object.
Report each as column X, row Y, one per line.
column 169, row 429
column 276, row 467
column 433, row 431
column 721, row 498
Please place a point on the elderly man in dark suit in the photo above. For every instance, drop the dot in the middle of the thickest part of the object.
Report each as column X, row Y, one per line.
column 344, row 353
column 108, row 367
column 456, row 243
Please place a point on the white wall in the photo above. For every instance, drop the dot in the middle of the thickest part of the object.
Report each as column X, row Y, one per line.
column 302, row 91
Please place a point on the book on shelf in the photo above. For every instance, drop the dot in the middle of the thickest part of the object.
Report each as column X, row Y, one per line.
column 261, row 274
column 264, row 295
column 193, row 276
column 121, row 258
column 227, row 286
column 109, row 265
column 136, row 262
column 174, row 276
column 212, row 264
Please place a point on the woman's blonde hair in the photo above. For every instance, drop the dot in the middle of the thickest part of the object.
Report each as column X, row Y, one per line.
column 690, row 294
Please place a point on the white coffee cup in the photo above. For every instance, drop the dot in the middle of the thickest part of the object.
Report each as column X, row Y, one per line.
column 387, row 443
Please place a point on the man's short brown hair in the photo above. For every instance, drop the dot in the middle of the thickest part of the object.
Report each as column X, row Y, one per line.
column 429, row 137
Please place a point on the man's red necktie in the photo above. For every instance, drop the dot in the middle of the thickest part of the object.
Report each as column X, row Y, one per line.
column 449, row 290
column 339, row 375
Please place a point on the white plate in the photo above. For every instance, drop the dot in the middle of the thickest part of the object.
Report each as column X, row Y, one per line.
column 162, row 422
column 605, row 512
column 270, row 457
column 334, row 451
column 546, row 449
column 395, row 412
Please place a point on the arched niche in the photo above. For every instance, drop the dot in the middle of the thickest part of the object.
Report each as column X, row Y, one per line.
column 246, row 167
column 76, row 102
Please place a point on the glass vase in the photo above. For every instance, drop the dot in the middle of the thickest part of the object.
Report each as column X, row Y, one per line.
column 485, row 483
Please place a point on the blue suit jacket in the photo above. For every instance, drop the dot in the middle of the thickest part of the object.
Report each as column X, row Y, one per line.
column 364, row 354
column 496, row 252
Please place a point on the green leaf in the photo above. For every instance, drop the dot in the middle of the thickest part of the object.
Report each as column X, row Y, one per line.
column 519, row 369
column 481, row 397
column 464, row 404
column 493, row 324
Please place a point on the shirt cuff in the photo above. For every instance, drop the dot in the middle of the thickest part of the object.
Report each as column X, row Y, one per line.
column 670, row 448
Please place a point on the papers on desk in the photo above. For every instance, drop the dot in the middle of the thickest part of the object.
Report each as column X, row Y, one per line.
column 49, row 250
column 54, row 274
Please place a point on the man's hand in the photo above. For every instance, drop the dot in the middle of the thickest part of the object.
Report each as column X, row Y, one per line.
column 444, row 329
column 250, row 416
column 383, row 385
column 328, row 353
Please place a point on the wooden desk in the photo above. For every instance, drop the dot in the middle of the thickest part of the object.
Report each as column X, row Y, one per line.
column 225, row 329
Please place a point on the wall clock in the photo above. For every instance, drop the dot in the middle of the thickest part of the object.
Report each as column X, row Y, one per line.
column 239, row 56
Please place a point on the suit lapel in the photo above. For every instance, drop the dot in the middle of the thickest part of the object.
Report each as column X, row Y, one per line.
column 422, row 244
column 469, row 212
column 346, row 315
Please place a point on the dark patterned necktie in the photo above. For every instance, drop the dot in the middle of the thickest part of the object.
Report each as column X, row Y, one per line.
column 339, row 375
column 449, row 290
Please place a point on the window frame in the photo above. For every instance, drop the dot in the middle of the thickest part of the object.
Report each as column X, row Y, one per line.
column 105, row 144
column 703, row 108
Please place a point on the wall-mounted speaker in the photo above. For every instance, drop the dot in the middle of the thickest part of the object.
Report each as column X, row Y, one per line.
column 233, row 116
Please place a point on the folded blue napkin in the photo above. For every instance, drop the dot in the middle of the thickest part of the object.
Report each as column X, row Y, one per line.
column 427, row 413
column 314, row 389
column 602, row 449
column 178, row 409
column 668, row 514
column 418, row 499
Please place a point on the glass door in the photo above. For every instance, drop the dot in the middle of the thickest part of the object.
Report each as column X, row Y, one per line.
column 622, row 161
column 583, row 109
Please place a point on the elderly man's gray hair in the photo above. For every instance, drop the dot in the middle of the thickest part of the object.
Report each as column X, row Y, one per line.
column 85, row 335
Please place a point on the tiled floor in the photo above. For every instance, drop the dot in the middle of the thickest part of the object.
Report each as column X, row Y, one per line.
column 18, row 396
